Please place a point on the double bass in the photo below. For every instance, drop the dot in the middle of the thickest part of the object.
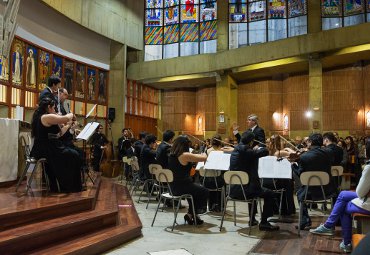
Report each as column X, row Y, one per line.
column 109, row 166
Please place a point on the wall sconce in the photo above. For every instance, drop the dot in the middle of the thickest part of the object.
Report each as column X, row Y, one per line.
column 275, row 116
column 308, row 114
column 286, row 122
column 368, row 119
column 221, row 117
column 200, row 123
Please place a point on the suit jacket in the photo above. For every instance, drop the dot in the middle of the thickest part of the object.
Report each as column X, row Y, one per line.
column 259, row 134
column 316, row 159
column 123, row 145
column 163, row 152
column 147, row 157
column 138, row 145
column 336, row 154
column 244, row 158
column 46, row 92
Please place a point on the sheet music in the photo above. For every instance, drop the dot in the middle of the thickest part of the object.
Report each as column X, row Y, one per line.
column 270, row 167
column 199, row 165
column 218, row 160
column 88, row 130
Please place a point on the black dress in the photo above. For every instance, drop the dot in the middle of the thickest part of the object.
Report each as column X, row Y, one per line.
column 63, row 163
column 183, row 184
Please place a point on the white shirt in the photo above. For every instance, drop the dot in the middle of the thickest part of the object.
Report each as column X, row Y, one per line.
column 363, row 189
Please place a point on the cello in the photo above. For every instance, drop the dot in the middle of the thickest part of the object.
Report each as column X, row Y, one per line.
column 109, row 166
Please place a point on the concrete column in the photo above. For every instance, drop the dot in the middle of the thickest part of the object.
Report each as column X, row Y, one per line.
column 315, row 94
column 117, row 86
column 226, row 102
column 222, row 26
column 314, row 16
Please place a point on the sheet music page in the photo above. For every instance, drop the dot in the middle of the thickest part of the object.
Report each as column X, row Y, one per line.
column 270, row 167
column 199, row 165
column 218, row 160
column 88, row 130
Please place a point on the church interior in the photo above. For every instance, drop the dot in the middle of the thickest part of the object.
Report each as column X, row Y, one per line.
column 147, row 70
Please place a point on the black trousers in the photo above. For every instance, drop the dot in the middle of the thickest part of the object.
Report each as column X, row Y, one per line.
column 199, row 193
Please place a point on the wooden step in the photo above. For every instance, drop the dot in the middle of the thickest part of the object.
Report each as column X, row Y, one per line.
column 21, row 210
column 95, row 243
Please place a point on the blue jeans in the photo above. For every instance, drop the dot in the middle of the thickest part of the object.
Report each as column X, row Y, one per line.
column 342, row 210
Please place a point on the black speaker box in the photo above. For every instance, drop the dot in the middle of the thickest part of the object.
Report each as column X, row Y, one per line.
column 111, row 114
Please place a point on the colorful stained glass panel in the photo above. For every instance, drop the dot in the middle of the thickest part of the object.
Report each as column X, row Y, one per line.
column 154, row 17
column 208, row 30
column 331, row 8
column 189, row 1
column 276, row 9
column 189, row 32
column 368, row 5
column 237, row 1
column 153, row 35
column 297, row 8
column 189, row 13
column 57, row 66
column 237, row 13
column 171, row 34
column 31, row 67
column 154, row 3
column 80, row 81
column 171, row 15
column 257, row 10
column 91, row 73
column 352, row 7
column 44, row 69
column 169, row 3
column 208, row 11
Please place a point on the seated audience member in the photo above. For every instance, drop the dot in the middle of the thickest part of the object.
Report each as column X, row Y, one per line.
column 316, row 158
column 180, row 163
column 245, row 158
column 348, row 202
column 147, row 156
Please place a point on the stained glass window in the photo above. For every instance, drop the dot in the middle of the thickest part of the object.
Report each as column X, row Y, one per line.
column 180, row 28
column 259, row 21
column 342, row 13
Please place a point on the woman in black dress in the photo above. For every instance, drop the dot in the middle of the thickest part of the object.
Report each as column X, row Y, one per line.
column 63, row 163
column 180, row 163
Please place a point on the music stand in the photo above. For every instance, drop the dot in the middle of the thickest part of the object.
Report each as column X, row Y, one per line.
column 85, row 135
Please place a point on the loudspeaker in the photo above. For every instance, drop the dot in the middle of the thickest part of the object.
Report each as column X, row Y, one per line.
column 111, row 114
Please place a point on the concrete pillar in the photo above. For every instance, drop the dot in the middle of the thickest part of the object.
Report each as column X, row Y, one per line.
column 117, row 86
column 226, row 103
column 314, row 16
column 315, row 94
column 222, row 26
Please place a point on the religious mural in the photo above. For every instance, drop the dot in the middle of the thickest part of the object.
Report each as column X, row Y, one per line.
column 17, row 62
column 57, row 66
column 68, row 76
column 91, row 84
column 80, row 81
column 31, row 62
column 43, row 69
column 4, row 69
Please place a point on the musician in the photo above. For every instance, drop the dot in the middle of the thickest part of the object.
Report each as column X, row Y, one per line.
column 336, row 153
column 180, row 163
column 51, row 90
column 252, row 124
column 98, row 140
column 138, row 145
column 316, row 158
column 163, row 150
column 123, row 143
column 348, row 202
column 63, row 163
column 147, row 156
column 245, row 158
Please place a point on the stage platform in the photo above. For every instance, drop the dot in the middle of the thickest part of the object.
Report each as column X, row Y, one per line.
column 88, row 222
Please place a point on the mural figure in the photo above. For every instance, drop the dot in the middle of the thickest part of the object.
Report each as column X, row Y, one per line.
column 17, row 65
column 31, row 69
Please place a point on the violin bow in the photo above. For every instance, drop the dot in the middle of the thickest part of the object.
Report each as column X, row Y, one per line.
column 232, row 145
column 289, row 143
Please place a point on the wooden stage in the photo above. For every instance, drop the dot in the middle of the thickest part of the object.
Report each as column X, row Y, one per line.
column 88, row 222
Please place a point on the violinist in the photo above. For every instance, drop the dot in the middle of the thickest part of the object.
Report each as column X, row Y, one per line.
column 147, row 156
column 163, row 150
column 316, row 158
column 63, row 163
column 138, row 145
column 51, row 91
column 98, row 141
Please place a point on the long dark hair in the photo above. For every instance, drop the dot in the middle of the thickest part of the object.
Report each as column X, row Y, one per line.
column 180, row 145
column 41, row 110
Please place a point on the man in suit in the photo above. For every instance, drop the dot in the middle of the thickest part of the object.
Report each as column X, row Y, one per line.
column 336, row 153
column 315, row 159
column 163, row 150
column 147, row 156
column 51, row 89
column 123, row 143
column 138, row 145
column 245, row 158
column 252, row 124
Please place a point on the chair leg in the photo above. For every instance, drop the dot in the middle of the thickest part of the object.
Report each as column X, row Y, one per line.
column 29, row 182
column 156, row 211
column 151, row 192
column 300, row 217
column 223, row 214
column 234, row 213
column 192, row 204
column 251, row 216
column 146, row 185
column 281, row 201
column 23, row 175
column 175, row 211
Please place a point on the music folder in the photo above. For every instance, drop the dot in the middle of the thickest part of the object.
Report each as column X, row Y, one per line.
column 88, row 130
column 271, row 167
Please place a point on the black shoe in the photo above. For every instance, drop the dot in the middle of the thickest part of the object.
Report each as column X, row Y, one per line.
column 304, row 226
column 254, row 222
column 314, row 206
column 199, row 221
column 189, row 219
column 268, row 227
